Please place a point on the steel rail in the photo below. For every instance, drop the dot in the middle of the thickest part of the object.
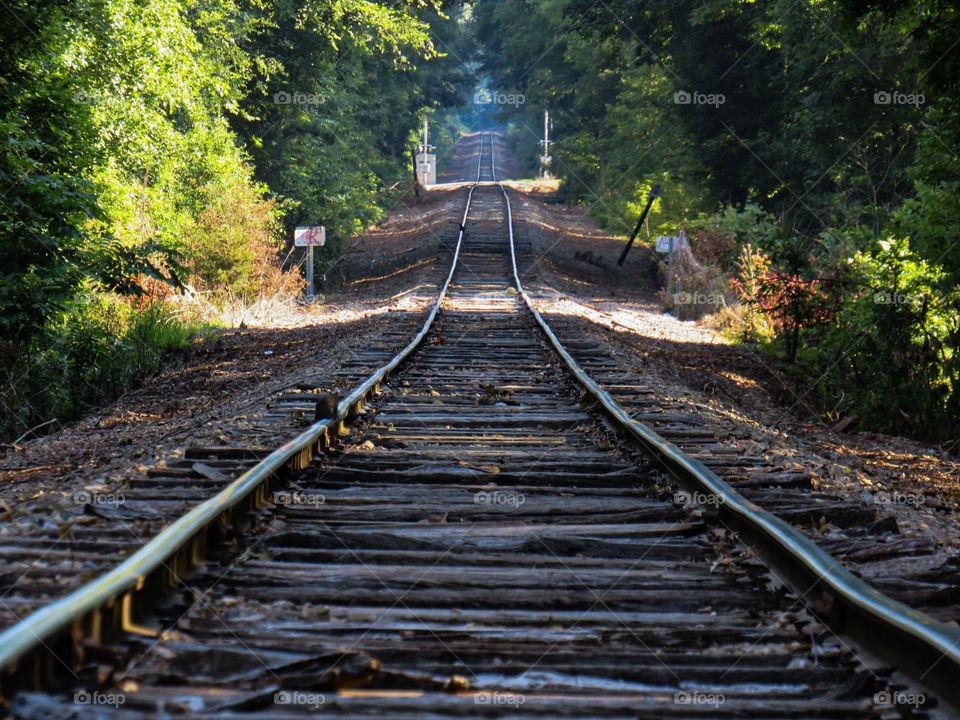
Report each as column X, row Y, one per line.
column 922, row 647
column 180, row 545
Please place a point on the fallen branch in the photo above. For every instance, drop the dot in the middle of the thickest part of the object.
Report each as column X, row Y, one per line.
column 30, row 432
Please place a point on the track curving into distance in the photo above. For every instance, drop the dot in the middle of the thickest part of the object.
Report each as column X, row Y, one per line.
column 483, row 547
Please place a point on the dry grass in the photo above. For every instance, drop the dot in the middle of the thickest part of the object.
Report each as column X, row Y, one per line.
column 729, row 320
column 286, row 310
column 276, row 310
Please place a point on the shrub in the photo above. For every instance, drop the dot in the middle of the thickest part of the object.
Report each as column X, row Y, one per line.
column 84, row 357
column 781, row 304
column 752, row 266
column 893, row 352
column 233, row 245
column 717, row 238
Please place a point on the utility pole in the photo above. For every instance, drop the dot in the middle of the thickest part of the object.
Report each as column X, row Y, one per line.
column 546, row 132
column 426, row 161
column 545, row 158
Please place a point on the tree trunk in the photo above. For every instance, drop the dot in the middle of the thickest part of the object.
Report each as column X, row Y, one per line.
column 416, row 179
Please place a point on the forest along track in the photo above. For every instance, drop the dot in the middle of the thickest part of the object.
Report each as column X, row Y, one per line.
column 41, row 559
column 485, row 547
column 871, row 527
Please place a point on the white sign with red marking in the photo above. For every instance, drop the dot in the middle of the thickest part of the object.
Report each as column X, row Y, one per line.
column 310, row 236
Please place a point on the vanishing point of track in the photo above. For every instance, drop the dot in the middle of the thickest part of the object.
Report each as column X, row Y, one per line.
column 498, row 539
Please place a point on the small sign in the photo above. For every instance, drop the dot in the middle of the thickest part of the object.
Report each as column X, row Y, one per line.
column 310, row 236
column 664, row 243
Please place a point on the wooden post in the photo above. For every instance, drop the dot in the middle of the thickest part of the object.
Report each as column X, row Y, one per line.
column 654, row 194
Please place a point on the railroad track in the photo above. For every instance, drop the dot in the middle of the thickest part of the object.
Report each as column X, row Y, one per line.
column 853, row 528
column 484, row 545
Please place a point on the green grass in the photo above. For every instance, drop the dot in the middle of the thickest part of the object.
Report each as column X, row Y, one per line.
column 86, row 358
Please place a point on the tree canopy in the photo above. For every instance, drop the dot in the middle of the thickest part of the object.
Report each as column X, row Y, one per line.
column 154, row 144
column 823, row 135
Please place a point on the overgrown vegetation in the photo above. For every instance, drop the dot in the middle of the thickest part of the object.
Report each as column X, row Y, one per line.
column 809, row 150
column 150, row 146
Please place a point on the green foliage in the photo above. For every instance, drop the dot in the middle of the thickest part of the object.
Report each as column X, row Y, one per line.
column 718, row 238
column 894, row 348
column 792, row 126
column 226, row 244
column 147, row 146
column 329, row 119
column 44, row 195
column 160, row 79
column 86, row 356
column 816, row 127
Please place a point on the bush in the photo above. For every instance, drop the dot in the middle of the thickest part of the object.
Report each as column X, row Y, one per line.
column 84, row 357
column 232, row 247
column 717, row 238
column 753, row 265
column 722, row 243
column 893, row 352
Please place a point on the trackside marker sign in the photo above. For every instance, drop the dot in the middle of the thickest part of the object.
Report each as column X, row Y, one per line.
column 310, row 236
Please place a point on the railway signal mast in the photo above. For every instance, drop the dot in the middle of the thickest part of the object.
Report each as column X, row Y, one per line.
column 426, row 158
column 545, row 144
